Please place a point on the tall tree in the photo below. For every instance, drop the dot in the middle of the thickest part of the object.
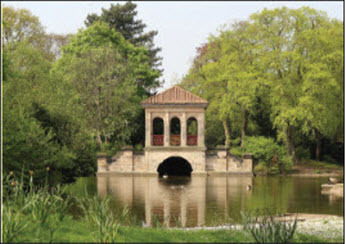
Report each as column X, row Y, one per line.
column 295, row 69
column 122, row 18
column 108, row 75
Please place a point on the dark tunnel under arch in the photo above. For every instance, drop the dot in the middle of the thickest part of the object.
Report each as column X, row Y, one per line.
column 175, row 166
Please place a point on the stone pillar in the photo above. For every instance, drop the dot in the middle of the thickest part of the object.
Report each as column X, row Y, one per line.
column 166, row 130
column 200, row 126
column 148, row 129
column 183, row 131
column 102, row 165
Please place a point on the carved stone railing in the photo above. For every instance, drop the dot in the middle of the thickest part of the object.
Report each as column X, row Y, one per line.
column 175, row 140
column 191, row 140
column 157, row 140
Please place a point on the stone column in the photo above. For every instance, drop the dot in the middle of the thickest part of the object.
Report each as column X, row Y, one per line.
column 148, row 128
column 183, row 132
column 200, row 126
column 166, row 130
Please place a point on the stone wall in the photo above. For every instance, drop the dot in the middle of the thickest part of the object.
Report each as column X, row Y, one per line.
column 194, row 156
column 218, row 160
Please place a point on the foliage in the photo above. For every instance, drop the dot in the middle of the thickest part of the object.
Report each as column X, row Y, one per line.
column 41, row 127
column 43, row 205
column 275, row 74
column 265, row 229
column 122, row 19
column 19, row 25
column 266, row 152
column 111, row 79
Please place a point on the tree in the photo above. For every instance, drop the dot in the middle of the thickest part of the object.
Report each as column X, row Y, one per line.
column 108, row 76
column 122, row 18
column 284, row 64
column 20, row 25
column 41, row 123
column 288, row 40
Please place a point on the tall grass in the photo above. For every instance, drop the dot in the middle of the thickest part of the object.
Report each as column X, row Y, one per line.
column 266, row 229
column 98, row 212
column 25, row 204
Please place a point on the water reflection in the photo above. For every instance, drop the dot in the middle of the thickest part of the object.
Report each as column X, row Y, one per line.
column 181, row 199
column 213, row 200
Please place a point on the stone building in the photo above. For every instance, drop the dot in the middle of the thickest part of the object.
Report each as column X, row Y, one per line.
column 174, row 141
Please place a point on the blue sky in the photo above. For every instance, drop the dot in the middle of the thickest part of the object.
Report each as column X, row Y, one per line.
column 182, row 26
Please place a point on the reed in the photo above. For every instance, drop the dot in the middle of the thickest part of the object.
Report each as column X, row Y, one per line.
column 98, row 213
column 266, row 229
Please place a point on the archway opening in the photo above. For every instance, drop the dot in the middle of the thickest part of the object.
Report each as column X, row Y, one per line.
column 175, row 131
column 192, row 128
column 175, row 166
column 158, row 128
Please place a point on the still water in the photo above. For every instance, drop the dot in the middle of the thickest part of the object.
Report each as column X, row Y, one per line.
column 210, row 200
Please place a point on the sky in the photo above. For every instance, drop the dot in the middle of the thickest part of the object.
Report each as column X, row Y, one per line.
column 181, row 26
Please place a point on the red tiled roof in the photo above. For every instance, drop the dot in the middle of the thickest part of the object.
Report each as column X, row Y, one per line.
column 175, row 95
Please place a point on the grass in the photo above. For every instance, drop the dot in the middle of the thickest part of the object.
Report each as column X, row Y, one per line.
column 80, row 231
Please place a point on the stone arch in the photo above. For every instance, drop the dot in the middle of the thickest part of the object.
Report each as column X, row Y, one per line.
column 158, row 131
column 191, row 131
column 175, row 165
column 175, row 131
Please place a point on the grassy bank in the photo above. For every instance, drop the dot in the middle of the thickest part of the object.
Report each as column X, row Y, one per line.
column 76, row 230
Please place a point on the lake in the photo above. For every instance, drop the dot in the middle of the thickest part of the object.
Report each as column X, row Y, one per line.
column 209, row 200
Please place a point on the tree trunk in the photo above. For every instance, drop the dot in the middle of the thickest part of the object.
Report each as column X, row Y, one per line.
column 98, row 137
column 318, row 145
column 243, row 126
column 227, row 129
column 290, row 143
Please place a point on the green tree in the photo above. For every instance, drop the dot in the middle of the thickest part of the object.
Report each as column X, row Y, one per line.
column 122, row 18
column 287, row 37
column 42, row 127
column 20, row 25
column 108, row 76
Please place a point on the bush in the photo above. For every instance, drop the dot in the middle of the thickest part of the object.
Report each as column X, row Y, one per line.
column 302, row 152
column 263, row 151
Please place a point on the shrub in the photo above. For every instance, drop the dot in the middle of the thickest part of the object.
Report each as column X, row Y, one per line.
column 302, row 152
column 263, row 150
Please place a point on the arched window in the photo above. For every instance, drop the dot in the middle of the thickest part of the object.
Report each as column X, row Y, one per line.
column 192, row 129
column 158, row 128
column 175, row 132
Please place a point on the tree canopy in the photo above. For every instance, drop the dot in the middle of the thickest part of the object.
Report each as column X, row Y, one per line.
column 285, row 64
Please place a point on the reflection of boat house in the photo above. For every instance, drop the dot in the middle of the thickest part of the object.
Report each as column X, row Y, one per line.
column 174, row 140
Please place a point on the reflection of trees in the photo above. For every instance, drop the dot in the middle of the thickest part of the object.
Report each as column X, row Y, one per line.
column 271, row 194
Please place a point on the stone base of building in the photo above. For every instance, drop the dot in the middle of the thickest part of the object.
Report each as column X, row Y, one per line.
column 202, row 161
